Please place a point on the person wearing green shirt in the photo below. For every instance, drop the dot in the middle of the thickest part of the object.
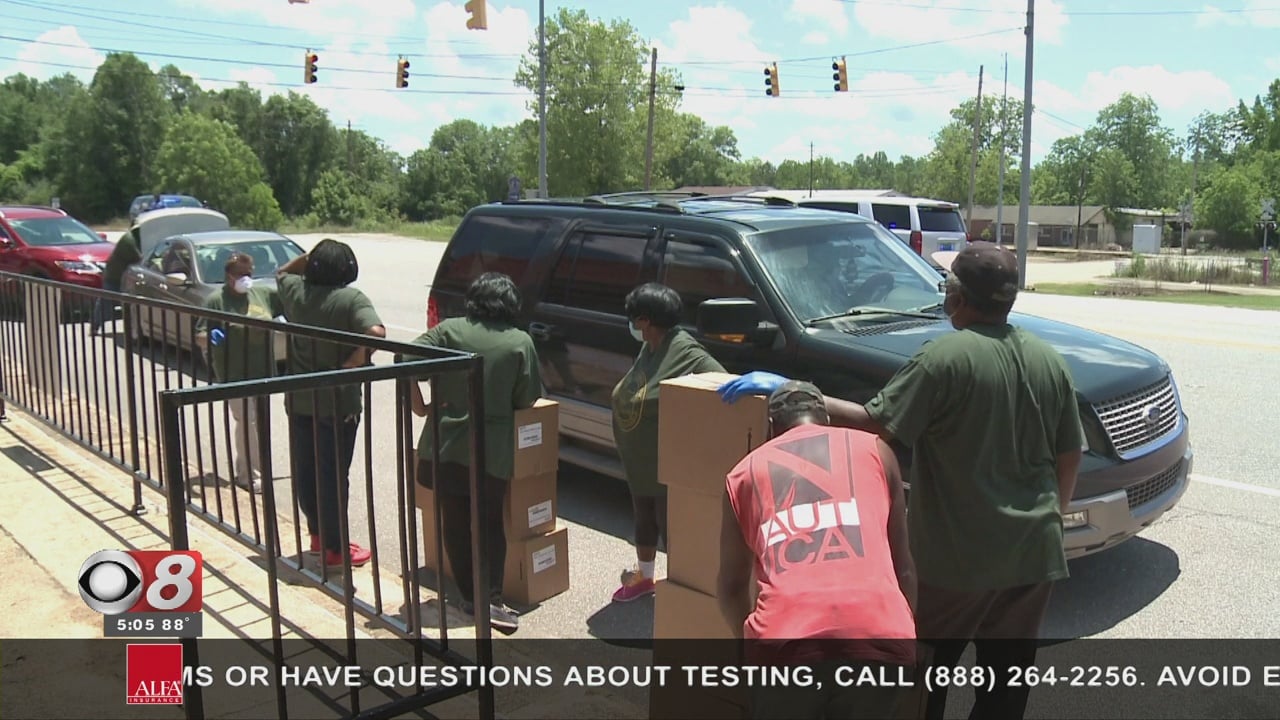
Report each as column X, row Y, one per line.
column 315, row 290
column 667, row 351
column 991, row 415
column 512, row 382
column 241, row 353
column 124, row 254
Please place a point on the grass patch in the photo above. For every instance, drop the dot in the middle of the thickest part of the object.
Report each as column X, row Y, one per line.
column 1208, row 271
column 1215, row 299
column 435, row 230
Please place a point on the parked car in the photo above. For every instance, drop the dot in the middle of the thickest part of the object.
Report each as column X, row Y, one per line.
column 48, row 243
column 822, row 295
column 189, row 267
column 927, row 226
column 145, row 203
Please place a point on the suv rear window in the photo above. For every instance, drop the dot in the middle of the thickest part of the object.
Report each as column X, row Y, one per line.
column 894, row 217
column 940, row 219
column 596, row 271
column 492, row 243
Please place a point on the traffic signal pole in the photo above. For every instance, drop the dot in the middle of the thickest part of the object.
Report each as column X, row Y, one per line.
column 542, row 99
column 1024, row 195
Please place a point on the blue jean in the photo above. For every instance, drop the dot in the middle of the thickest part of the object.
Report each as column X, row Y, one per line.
column 322, row 449
column 103, row 309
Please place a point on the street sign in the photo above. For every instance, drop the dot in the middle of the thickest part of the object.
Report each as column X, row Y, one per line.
column 513, row 189
column 56, row 203
column 1268, row 209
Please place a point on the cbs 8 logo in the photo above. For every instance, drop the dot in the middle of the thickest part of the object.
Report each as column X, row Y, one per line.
column 113, row 582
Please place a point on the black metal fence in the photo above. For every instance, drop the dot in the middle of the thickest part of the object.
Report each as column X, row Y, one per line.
column 142, row 395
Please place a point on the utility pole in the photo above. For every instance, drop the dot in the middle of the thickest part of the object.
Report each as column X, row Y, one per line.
column 973, row 157
column 1004, row 140
column 811, row 169
column 351, row 167
column 1024, row 195
column 1191, row 203
column 1079, row 207
column 542, row 100
column 653, row 96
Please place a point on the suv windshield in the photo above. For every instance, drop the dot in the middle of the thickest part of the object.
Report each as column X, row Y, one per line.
column 823, row 270
column 48, row 232
column 940, row 219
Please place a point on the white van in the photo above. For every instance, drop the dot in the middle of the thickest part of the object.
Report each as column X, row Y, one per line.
column 927, row 226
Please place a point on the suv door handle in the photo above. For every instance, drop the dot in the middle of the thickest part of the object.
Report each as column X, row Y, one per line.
column 540, row 331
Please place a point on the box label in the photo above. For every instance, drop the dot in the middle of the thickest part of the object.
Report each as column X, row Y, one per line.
column 540, row 514
column 528, row 436
column 544, row 559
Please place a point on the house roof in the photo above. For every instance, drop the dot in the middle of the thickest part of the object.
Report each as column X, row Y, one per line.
column 1045, row 214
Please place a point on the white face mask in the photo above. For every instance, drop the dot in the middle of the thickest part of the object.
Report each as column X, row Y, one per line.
column 243, row 284
column 635, row 332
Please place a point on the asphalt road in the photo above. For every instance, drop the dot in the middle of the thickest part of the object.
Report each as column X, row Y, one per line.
column 1204, row 570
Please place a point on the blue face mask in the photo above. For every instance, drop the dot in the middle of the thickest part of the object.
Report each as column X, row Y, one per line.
column 635, row 331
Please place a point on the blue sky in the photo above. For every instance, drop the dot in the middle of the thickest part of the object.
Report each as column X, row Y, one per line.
column 1188, row 55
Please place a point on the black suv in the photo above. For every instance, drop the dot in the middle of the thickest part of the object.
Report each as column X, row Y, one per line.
column 815, row 294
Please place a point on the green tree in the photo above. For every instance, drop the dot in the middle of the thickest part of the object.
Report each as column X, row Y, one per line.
column 1131, row 126
column 109, row 142
column 694, row 153
column 297, row 142
column 597, row 103
column 1230, row 204
column 206, row 158
column 337, row 199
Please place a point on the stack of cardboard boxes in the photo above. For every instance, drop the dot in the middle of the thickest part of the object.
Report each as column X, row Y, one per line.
column 537, row 564
column 701, row 438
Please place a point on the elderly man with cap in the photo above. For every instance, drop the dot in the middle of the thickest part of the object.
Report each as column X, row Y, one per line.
column 819, row 513
column 990, row 415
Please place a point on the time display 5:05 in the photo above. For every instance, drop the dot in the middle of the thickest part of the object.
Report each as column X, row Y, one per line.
column 146, row 625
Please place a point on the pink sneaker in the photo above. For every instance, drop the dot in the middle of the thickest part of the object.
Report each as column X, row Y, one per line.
column 634, row 586
column 359, row 556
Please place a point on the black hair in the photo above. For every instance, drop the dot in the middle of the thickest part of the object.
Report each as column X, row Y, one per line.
column 493, row 296
column 331, row 264
column 236, row 260
column 655, row 302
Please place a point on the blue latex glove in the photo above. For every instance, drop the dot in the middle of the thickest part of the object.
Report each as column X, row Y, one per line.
column 756, row 382
column 216, row 336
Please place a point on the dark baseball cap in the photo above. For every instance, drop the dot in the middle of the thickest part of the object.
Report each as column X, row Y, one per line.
column 797, row 396
column 987, row 271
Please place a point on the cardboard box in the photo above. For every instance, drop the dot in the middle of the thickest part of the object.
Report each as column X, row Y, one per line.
column 537, row 568
column 682, row 613
column 668, row 703
column 701, row 437
column 693, row 535
column 537, row 439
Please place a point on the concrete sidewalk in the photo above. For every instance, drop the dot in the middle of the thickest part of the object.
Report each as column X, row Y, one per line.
column 63, row 504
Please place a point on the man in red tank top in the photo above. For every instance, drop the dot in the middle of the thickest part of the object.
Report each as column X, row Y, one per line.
column 819, row 513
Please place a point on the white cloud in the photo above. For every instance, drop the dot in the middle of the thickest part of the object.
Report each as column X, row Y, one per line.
column 815, row 37
column 933, row 20
column 831, row 14
column 71, row 54
column 1252, row 13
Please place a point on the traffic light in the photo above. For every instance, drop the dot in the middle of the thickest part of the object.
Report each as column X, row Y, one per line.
column 309, row 68
column 841, row 75
column 771, row 86
column 402, row 73
column 478, row 20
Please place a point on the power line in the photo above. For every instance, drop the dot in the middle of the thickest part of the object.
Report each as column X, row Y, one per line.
column 864, row 53
column 1069, row 13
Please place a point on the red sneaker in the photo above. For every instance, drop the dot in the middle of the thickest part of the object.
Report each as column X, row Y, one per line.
column 634, row 586
column 359, row 556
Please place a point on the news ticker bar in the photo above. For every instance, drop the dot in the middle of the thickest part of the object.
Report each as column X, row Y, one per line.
column 156, row 625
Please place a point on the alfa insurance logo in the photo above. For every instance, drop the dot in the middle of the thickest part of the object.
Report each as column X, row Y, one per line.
column 153, row 674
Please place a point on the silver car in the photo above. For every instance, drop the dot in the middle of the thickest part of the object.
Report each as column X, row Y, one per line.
column 190, row 268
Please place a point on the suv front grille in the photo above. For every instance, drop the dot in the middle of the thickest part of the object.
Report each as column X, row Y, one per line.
column 1152, row 488
column 887, row 327
column 1139, row 418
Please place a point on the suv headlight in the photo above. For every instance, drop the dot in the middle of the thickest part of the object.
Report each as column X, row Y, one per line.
column 78, row 266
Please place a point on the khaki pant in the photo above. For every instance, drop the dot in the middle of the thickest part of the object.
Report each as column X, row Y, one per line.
column 245, row 429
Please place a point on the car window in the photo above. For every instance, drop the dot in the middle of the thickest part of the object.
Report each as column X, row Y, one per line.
column 596, row 271
column 940, row 219
column 177, row 259
column 821, row 269
column 492, row 243
column 894, row 217
column 268, row 256
column 155, row 261
column 700, row 272
column 51, row 232
column 849, row 207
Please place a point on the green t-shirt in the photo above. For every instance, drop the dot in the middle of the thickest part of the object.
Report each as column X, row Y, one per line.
column 983, row 511
column 635, row 404
column 511, row 382
column 245, row 353
column 124, row 254
column 345, row 309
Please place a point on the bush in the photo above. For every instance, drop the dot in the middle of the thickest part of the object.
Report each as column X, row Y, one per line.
column 260, row 210
column 1210, row 271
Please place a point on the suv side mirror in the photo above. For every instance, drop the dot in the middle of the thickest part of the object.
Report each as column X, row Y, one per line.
column 735, row 320
column 177, row 278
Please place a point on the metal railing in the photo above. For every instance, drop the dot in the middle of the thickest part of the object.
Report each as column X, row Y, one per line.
column 147, row 402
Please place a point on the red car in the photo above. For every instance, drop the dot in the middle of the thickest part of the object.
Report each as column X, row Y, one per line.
column 46, row 242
